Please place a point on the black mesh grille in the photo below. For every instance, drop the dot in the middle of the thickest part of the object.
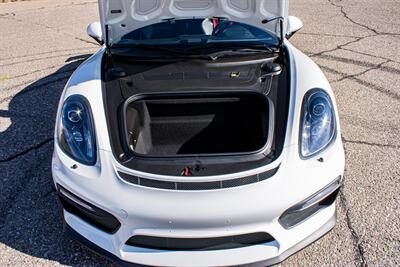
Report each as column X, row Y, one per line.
column 240, row 181
column 156, row 184
column 198, row 186
column 213, row 243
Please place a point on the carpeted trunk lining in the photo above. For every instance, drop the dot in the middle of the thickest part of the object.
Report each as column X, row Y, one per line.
column 193, row 125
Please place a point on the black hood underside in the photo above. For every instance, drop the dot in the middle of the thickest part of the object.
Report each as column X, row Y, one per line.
column 188, row 75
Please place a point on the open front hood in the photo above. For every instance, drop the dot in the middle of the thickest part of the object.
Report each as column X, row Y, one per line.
column 124, row 16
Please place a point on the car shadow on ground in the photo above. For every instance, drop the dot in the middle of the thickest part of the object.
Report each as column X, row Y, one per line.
column 30, row 213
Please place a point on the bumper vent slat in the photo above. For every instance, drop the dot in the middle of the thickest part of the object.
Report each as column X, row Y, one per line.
column 213, row 243
column 88, row 212
column 197, row 186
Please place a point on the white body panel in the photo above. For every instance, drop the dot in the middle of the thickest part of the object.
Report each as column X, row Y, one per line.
column 245, row 209
column 124, row 16
column 204, row 214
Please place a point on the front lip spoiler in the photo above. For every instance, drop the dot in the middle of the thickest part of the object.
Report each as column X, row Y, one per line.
column 95, row 248
column 324, row 229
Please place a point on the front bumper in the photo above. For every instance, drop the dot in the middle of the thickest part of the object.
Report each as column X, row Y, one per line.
column 201, row 214
column 271, row 261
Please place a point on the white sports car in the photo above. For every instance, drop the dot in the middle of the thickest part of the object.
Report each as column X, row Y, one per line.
column 197, row 136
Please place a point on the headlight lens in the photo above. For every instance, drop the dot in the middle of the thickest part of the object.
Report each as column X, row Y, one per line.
column 75, row 131
column 318, row 123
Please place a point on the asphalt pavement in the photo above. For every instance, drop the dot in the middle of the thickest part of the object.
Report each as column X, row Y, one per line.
column 355, row 42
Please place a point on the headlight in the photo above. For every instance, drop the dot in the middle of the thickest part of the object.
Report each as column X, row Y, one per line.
column 75, row 130
column 318, row 125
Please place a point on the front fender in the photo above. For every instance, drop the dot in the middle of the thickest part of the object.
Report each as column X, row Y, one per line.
column 305, row 75
column 86, row 81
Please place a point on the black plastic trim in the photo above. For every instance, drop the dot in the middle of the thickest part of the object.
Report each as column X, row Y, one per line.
column 311, row 206
column 89, row 213
column 198, row 186
column 200, row 244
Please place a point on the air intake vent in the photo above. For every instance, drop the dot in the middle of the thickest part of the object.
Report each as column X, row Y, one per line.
column 88, row 212
column 198, row 186
column 214, row 243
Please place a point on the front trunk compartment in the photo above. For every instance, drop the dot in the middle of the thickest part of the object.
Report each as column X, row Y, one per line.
column 213, row 118
column 192, row 125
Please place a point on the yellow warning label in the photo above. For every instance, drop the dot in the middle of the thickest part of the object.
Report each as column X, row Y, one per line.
column 235, row 74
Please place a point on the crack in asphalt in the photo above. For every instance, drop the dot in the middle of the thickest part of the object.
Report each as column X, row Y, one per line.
column 369, row 143
column 359, row 249
column 357, row 39
column 43, row 58
column 66, row 75
column 371, row 55
column 36, row 59
column 358, row 243
column 51, row 7
column 34, row 147
column 79, row 59
column 21, row 188
column 377, row 67
column 69, row 70
column 11, row 114
column 340, row 46
column 51, row 28
column 35, row 71
column 369, row 85
column 327, row 34
column 346, row 16
column 362, row 63
column 375, row 87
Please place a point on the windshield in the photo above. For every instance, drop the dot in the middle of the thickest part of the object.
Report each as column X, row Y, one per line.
column 195, row 34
